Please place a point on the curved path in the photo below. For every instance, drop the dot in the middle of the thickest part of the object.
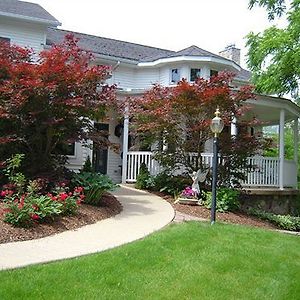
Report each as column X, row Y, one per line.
column 142, row 214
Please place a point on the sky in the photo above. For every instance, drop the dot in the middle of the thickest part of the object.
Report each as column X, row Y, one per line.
column 169, row 24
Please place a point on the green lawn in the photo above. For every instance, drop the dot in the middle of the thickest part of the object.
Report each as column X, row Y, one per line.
column 186, row 261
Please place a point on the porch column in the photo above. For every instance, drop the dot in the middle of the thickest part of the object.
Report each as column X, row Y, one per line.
column 233, row 127
column 296, row 143
column 281, row 147
column 125, row 145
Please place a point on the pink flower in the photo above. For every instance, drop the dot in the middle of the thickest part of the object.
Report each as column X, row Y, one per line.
column 63, row 196
column 78, row 189
column 35, row 217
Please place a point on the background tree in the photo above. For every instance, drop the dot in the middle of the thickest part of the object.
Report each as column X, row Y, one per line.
column 274, row 54
column 176, row 120
column 49, row 102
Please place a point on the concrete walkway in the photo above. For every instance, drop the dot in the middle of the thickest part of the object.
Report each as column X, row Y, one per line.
column 142, row 214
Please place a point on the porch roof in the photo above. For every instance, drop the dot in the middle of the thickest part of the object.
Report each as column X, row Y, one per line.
column 267, row 109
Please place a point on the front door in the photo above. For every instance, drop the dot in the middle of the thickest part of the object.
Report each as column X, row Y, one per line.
column 100, row 154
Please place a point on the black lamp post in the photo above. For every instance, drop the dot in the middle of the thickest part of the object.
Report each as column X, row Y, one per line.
column 216, row 127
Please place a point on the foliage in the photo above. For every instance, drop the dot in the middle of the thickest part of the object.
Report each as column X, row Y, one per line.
column 143, row 177
column 49, row 102
column 274, row 7
column 26, row 204
column 94, row 185
column 273, row 54
column 30, row 209
column 285, row 222
column 87, row 167
column 170, row 184
column 227, row 200
column 176, row 120
column 17, row 179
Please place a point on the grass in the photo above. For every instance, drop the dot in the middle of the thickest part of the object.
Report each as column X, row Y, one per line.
column 186, row 261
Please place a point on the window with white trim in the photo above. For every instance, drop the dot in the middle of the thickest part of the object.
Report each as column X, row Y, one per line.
column 195, row 73
column 213, row 73
column 175, row 76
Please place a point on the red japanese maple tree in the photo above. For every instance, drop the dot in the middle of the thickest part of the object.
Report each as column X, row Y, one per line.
column 48, row 99
column 176, row 120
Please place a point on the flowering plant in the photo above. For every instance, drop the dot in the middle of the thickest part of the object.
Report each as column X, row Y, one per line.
column 31, row 207
column 188, row 192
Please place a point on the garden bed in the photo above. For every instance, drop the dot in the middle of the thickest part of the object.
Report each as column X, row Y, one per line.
column 87, row 214
column 230, row 217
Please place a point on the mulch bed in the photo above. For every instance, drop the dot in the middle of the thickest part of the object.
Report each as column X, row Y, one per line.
column 87, row 214
column 229, row 217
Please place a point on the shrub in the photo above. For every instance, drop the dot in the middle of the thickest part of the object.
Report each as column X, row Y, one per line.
column 94, row 185
column 285, row 222
column 16, row 179
column 87, row 167
column 142, row 180
column 172, row 185
column 32, row 207
column 29, row 209
column 227, row 200
column 26, row 203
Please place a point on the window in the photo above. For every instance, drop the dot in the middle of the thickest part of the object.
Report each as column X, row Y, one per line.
column 175, row 75
column 4, row 40
column 195, row 73
column 213, row 73
column 65, row 149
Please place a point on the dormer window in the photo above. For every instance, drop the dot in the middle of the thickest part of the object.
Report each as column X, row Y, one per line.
column 195, row 73
column 213, row 73
column 4, row 40
column 175, row 76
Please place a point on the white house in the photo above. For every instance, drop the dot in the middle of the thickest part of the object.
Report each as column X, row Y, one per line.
column 135, row 69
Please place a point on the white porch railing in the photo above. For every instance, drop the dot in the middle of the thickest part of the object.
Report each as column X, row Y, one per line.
column 264, row 171
column 134, row 161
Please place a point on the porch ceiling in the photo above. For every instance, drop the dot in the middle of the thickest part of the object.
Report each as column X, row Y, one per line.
column 267, row 109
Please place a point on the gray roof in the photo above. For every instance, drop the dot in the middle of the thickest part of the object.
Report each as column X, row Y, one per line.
column 109, row 47
column 195, row 51
column 244, row 75
column 131, row 51
column 26, row 9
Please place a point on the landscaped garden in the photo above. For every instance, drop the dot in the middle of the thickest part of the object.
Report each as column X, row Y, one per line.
column 178, row 191
column 45, row 108
column 186, row 261
column 36, row 208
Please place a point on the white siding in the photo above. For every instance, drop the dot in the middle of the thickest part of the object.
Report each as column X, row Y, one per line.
column 146, row 78
column 164, row 76
column 23, row 34
column 123, row 77
column 114, row 161
column 76, row 162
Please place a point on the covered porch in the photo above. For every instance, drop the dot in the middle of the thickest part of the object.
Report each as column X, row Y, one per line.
column 266, row 173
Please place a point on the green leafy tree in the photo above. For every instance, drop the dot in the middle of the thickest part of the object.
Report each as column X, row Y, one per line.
column 274, row 54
